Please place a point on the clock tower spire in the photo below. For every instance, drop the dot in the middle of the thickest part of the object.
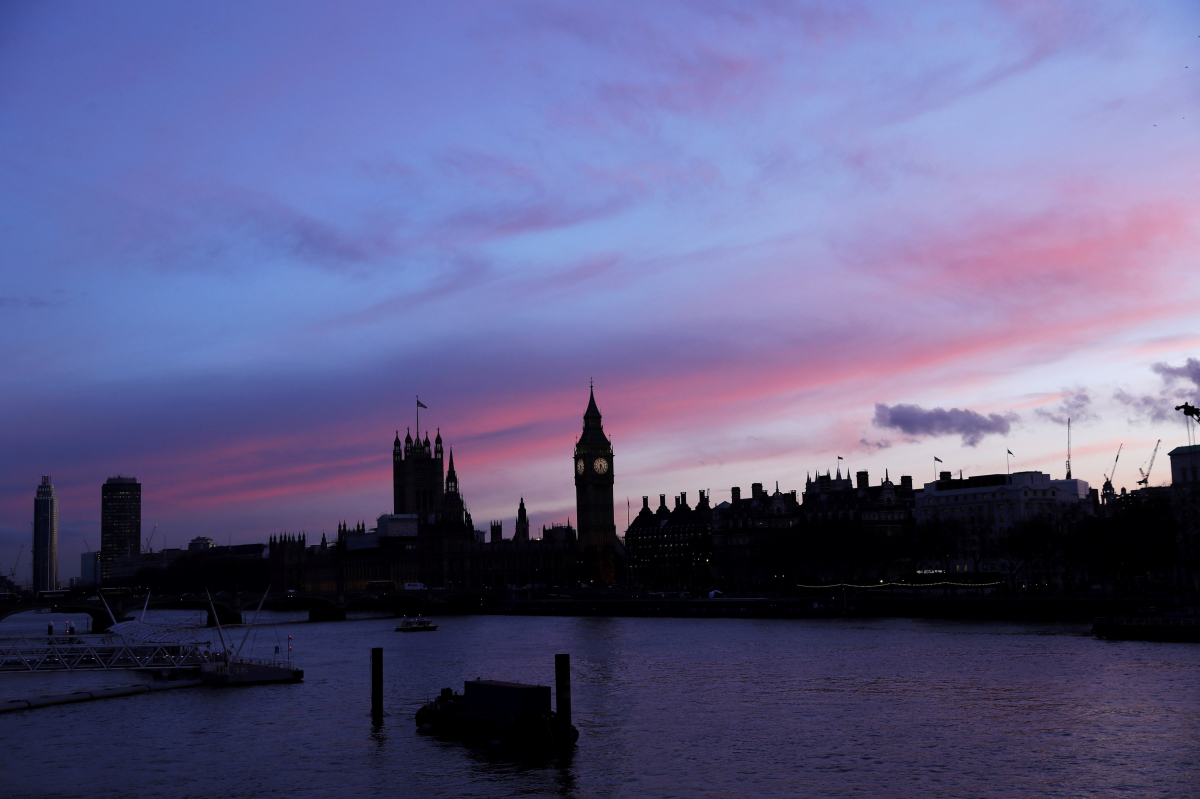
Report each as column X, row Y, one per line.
column 594, row 498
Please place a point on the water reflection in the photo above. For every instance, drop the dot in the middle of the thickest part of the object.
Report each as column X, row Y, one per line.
column 665, row 707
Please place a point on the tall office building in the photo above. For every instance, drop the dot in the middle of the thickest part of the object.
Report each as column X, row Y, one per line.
column 89, row 568
column 45, row 537
column 120, row 522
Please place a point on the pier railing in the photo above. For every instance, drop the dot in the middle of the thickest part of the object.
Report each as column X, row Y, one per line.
column 74, row 653
column 279, row 661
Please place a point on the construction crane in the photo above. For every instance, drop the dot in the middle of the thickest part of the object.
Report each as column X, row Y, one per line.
column 1113, row 473
column 150, row 540
column 1068, row 447
column 12, row 573
column 1145, row 481
column 1108, row 493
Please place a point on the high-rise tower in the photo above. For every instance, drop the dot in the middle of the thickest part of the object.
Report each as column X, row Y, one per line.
column 594, row 498
column 120, row 522
column 45, row 537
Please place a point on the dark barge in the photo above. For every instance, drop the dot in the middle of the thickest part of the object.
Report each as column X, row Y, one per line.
column 1171, row 629
column 513, row 716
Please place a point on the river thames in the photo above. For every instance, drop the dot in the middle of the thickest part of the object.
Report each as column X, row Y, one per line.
column 665, row 708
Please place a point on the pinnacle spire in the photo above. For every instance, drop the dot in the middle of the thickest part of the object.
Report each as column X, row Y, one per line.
column 592, row 412
column 451, row 477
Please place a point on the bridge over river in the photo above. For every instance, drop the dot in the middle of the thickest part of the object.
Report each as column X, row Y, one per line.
column 237, row 608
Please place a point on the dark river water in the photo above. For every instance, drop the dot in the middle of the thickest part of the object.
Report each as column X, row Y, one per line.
column 665, row 708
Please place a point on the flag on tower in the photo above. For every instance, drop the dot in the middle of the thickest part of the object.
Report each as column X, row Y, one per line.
column 422, row 405
column 937, row 459
column 1010, row 453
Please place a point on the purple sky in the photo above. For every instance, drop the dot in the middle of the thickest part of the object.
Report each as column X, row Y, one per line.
column 239, row 238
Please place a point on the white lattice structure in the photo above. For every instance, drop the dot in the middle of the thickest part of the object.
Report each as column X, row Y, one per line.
column 74, row 653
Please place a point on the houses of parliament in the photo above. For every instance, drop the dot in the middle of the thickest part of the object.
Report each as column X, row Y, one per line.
column 430, row 539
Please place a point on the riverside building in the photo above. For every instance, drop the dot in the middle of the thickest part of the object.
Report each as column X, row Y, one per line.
column 1185, row 469
column 671, row 549
column 886, row 508
column 985, row 509
column 755, row 540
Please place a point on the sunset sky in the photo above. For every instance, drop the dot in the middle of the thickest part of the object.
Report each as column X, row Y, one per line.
column 238, row 239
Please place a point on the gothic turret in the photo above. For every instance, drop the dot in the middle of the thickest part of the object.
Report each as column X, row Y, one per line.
column 522, row 529
column 451, row 476
column 417, row 476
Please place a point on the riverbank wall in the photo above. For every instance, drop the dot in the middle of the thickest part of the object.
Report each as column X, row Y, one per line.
column 1025, row 609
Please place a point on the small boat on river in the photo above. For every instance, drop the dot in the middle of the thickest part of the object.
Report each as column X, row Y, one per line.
column 417, row 625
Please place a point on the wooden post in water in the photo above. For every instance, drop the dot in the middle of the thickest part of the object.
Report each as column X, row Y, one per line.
column 562, row 688
column 377, row 685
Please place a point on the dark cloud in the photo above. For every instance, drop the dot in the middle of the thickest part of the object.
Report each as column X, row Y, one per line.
column 23, row 302
column 1075, row 405
column 1189, row 371
column 917, row 421
column 882, row 443
column 1160, row 407
column 283, row 228
column 1154, row 409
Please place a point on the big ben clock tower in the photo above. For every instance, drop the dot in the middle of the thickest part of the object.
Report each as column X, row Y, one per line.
column 594, row 498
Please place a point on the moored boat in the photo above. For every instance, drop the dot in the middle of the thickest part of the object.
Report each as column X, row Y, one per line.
column 1165, row 628
column 513, row 716
column 417, row 625
column 249, row 671
column 233, row 669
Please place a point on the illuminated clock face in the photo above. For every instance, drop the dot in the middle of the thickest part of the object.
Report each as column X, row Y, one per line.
column 579, row 466
column 601, row 466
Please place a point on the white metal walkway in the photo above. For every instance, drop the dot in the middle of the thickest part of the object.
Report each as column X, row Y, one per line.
column 77, row 653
